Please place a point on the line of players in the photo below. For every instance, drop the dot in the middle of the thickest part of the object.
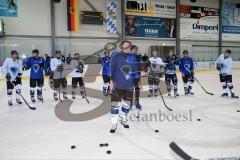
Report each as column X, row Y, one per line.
column 13, row 68
column 121, row 76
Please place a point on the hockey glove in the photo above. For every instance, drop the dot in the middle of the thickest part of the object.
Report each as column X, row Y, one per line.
column 60, row 68
column 218, row 67
column 19, row 75
column 8, row 77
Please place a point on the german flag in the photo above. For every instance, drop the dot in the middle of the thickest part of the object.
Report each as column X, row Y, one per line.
column 73, row 15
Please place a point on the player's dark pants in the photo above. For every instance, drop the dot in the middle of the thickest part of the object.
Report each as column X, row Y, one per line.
column 171, row 78
column 36, row 83
column 10, row 86
column 137, row 89
column 153, row 84
column 118, row 96
column 188, row 81
column 226, row 81
column 75, row 82
column 57, row 83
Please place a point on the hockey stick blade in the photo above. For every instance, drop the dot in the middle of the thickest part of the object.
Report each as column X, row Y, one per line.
column 175, row 148
column 203, row 87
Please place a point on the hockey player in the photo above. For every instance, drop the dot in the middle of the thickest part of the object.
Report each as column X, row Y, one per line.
column 186, row 68
column 36, row 64
column 77, row 77
column 224, row 66
column 12, row 67
column 155, row 70
column 137, row 80
column 106, row 72
column 170, row 72
column 123, row 72
column 57, row 68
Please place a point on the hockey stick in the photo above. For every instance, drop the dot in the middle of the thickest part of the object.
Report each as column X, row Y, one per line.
column 175, row 148
column 203, row 87
column 32, row 108
column 154, row 78
column 59, row 90
column 85, row 91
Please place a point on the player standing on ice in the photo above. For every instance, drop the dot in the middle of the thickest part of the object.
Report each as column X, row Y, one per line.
column 155, row 73
column 77, row 75
column 57, row 68
column 106, row 72
column 12, row 67
column 37, row 66
column 224, row 66
column 170, row 72
column 137, row 80
column 123, row 71
column 186, row 68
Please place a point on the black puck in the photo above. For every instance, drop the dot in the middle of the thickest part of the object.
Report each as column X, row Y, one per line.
column 106, row 144
column 109, row 152
column 101, row 145
column 73, row 147
column 198, row 119
column 156, row 131
column 238, row 110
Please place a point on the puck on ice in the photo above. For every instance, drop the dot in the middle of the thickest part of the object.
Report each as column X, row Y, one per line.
column 106, row 144
column 198, row 119
column 73, row 147
column 238, row 110
column 101, row 145
column 109, row 152
column 156, row 131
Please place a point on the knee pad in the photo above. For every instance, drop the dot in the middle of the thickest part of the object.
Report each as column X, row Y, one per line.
column 230, row 85
column 125, row 107
column 9, row 92
column 114, row 110
column 224, row 85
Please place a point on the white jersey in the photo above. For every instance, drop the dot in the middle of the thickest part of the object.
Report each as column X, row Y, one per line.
column 12, row 67
column 225, row 64
column 54, row 63
column 156, row 65
column 75, row 64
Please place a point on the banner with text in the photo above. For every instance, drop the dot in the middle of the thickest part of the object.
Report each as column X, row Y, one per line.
column 152, row 8
column 231, row 21
column 151, row 27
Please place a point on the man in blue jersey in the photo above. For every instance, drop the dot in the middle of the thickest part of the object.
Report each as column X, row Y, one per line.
column 36, row 64
column 171, row 61
column 124, row 70
column 186, row 68
column 106, row 72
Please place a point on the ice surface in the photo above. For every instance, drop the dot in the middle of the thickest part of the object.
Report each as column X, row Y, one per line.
column 26, row 134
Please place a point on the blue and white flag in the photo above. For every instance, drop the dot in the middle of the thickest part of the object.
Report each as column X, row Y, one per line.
column 111, row 17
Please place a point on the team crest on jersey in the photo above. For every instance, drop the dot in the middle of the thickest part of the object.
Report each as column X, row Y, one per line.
column 127, row 70
column 35, row 68
column 14, row 71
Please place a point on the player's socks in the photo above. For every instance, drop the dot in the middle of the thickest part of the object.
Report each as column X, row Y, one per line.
column 65, row 95
column 82, row 92
column 39, row 94
column 10, row 102
column 155, row 92
column 55, row 95
column 125, row 111
column 114, row 118
column 190, row 90
column 105, row 89
column 18, row 92
column 9, row 93
column 73, row 93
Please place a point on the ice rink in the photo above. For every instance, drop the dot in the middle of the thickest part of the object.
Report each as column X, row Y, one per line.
column 212, row 131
